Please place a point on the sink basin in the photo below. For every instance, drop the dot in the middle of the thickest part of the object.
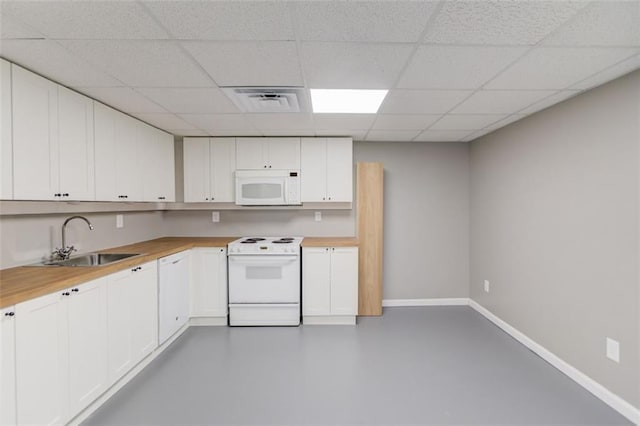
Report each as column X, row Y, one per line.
column 91, row 259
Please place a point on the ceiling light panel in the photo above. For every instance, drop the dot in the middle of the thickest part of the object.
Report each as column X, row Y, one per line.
column 353, row 65
column 224, row 20
column 141, row 63
column 377, row 21
column 346, row 100
column 248, row 63
column 55, row 62
column 86, row 19
column 558, row 68
column 499, row 22
column 191, row 100
column 456, row 67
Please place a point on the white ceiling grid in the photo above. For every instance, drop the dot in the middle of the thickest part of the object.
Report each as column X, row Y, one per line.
column 455, row 70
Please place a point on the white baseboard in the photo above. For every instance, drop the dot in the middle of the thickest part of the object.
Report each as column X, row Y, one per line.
column 207, row 321
column 614, row 401
column 84, row 414
column 460, row 301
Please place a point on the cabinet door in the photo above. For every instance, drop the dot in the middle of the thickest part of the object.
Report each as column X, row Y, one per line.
column 196, row 170
column 129, row 181
column 42, row 369
column 316, row 296
column 6, row 162
column 76, row 147
column 223, row 165
column 284, row 153
column 119, row 318
column 313, row 169
column 208, row 282
column 35, row 144
column 157, row 162
column 344, row 281
column 87, row 343
column 339, row 169
column 167, row 190
column 251, row 153
column 7, row 367
column 144, row 298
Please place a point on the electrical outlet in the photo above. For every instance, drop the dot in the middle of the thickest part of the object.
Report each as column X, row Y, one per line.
column 215, row 216
column 486, row 286
column 613, row 350
column 119, row 221
column 318, row 216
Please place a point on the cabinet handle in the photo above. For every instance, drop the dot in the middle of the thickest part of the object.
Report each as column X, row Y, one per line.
column 161, row 198
column 323, row 198
column 269, row 166
column 75, row 290
column 66, row 293
column 57, row 195
column 9, row 314
column 206, row 199
column 66, row 194
column 329, row 198
column 265, row 167
column 213, row 198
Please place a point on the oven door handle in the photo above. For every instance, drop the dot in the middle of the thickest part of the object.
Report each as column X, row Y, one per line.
column 262, row 260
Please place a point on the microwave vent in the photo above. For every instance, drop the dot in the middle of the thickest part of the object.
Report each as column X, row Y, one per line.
column 267, row 99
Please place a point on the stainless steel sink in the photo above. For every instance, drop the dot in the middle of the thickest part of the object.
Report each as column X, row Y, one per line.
column 90, row 259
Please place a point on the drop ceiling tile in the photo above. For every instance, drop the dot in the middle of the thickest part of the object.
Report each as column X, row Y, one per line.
column 228, row 20
column 219, row 122
column 357, row 135
column 308, row 132
column 353, row 65
column 500, row 101
column 558, row 68
column 499, row 22
column 343, row 121
column 551, row 100
column 55, row 62
column 293, row 121
column 466, row 121
column 189, row 132
column 141, row 63
column 442, row 135
column 362, row 21
column 456, row 67
column 11, row 28
column 86, row 19
column 404, row 121
column 611, row 73
column 191, row 100
column 422, row 101
column 392, row 135
column 603, row 23
column 164, row 121
column 504, row 122
column 248, row 63
column 124, row 99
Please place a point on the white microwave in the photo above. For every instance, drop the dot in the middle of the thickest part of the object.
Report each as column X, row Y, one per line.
column 268, row 187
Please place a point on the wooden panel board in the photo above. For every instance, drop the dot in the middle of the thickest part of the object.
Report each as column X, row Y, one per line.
column 370, row 203
column 330, row 242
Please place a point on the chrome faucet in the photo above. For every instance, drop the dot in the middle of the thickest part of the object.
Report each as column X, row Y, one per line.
column 65, row 252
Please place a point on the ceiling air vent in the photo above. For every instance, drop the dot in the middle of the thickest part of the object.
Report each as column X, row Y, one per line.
column 267, row 99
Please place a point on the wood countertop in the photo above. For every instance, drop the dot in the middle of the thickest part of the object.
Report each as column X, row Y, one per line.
column 28, row 282
column 330, row 242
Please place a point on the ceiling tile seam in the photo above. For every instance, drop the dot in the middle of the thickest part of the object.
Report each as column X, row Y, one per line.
column 153, row 17
column 566, row 23
column 151, row 100
column 44, row 36
column 296, row 33
column 637, row 53
column 410, row 57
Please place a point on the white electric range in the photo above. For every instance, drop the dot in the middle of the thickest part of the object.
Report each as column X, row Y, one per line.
column 264, row 281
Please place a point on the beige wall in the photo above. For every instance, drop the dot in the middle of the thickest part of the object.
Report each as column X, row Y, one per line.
column 554, row 228
column 426, row 217
column 29, row 238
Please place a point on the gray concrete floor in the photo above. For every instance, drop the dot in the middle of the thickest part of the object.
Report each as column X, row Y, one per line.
column 431, row 365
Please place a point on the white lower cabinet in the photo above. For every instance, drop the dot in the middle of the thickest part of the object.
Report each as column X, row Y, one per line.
column 7, row 366
column 208, row 285
column 132, row 312
column 329, row 285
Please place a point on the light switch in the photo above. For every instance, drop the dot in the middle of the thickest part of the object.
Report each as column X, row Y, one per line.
column 119, row 221
column 318, row 216
column 215, row 216
column 613, row 350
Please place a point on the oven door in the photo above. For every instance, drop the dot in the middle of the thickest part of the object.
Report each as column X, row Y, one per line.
column 261, row 191
column 264, row 279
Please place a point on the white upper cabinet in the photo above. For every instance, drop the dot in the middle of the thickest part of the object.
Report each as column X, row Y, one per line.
column 53, row 149
column 75, row 146
column 327, row 170
column 209, row 165
column 6, row 162
column 118, row 174
column 35, row 136
column 158, row 164
column 267, row 153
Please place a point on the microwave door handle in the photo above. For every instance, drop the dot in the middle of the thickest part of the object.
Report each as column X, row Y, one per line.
column 285, row 188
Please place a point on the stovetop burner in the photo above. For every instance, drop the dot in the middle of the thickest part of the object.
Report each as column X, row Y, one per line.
column 282, row 241
column 252, row 240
